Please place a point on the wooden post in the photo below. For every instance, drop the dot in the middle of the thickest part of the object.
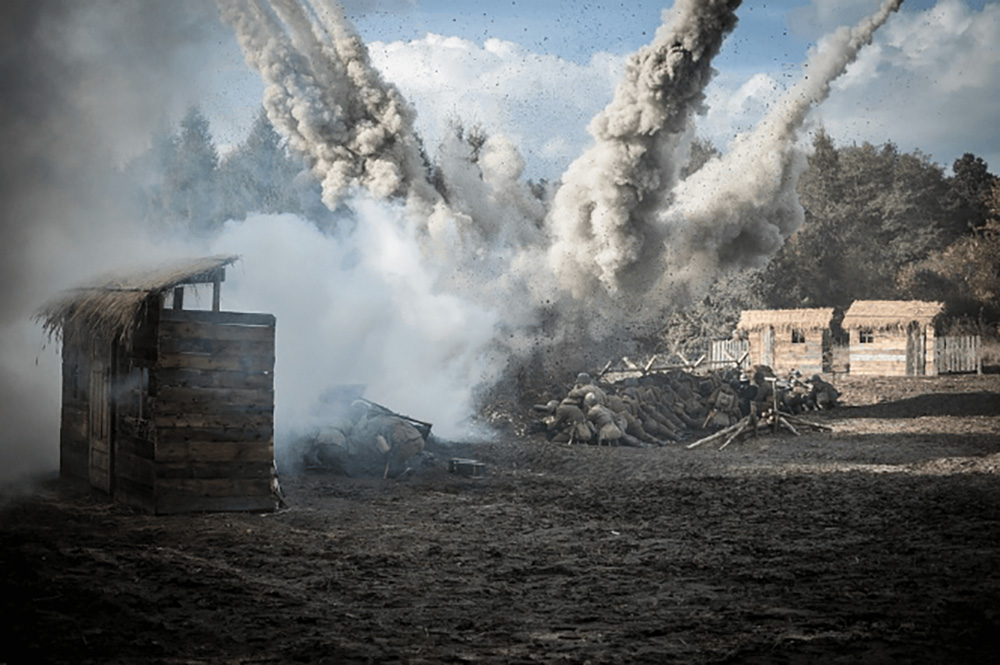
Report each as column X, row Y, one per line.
column 978, row 350
column 178, row 297
column 217, row 291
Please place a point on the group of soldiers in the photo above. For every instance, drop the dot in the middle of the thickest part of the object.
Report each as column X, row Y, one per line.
column 661, row 408
column 366, row 439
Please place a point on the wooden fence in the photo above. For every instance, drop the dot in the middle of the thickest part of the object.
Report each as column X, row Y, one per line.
column 729, row 353
column 955, row 355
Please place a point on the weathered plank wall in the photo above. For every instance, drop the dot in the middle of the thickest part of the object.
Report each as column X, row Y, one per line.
column 784, row 355
column 885, row 355
column 74, row 445
column 212, row 409
column 807, row 356
column 759, row 354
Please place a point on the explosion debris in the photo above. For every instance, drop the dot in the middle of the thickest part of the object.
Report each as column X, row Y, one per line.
column 622, row 241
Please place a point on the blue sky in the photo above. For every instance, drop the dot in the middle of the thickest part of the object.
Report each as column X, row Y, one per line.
column 537, row 71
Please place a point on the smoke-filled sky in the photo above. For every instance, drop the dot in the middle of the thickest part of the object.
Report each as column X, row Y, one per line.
column 424, row 295
column 538, row 71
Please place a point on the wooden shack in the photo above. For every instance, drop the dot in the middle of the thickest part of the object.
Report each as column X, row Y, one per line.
column 165, row 408
column 789, row 339
column 892, row 337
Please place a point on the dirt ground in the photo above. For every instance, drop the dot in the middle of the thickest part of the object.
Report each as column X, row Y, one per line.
column 877, row 543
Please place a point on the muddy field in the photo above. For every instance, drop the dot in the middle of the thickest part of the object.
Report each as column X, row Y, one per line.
column 877, row 543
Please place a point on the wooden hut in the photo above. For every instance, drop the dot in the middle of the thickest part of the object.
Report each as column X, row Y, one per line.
column 167, row 409
column 789, row 339
column 892, row 337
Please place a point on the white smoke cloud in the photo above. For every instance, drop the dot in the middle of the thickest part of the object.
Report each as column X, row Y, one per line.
column 503, row 87
column 738, row 209
column 425, row 296
column 359, row 307
column 600, row 217
column 323, row 94
column 68, row 115
column 617, row 225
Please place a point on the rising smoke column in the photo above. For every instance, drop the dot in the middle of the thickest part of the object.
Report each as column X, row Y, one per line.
column 602, row 213
column 737, row 210
column 323, row 94
column 620, row 224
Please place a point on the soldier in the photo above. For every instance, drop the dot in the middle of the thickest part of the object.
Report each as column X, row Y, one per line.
column 823, row 394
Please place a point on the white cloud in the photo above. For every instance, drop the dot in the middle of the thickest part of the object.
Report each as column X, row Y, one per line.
column 928, row 82
column 735, row 107
column 541, row 102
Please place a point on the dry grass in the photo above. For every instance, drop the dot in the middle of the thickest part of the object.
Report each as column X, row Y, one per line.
column 110, row 306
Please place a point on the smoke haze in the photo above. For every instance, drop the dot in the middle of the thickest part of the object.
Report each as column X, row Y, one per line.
column 448, row 269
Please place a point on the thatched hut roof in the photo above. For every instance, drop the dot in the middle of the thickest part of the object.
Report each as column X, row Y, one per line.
column 109, row 307
column 786, row 319
column 884, row 314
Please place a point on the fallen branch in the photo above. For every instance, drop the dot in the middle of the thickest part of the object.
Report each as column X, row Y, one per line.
column 743, row 425
column 718, row 435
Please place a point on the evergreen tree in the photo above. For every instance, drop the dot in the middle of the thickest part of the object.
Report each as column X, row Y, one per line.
column 260, row 175
column 870, row 211
column 971, row 186
column 191, row 180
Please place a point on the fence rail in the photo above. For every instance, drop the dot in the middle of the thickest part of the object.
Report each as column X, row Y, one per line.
column 955, row 355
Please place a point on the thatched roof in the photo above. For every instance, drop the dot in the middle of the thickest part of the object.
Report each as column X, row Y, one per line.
column 109, row 306
column 786, row 319
column 882, row 314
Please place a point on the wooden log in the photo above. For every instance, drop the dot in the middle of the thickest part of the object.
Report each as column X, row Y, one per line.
column 259, row 364
column 212, row 487
column 214, row 451
column 743, row 425
column 202, row 330
column 788, row 426
column 645, row 370
column 187, row 377
column 218, row 318
column 234, row 348
column 806, row 423
column 230, row 421
column 718, row 435
column 169, row 435
column 173, row 504
column 162, row 408
column 232, row 396
column 200, row 469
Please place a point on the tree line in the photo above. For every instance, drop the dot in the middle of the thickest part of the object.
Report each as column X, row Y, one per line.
column 182, row 183
column 880, row 224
